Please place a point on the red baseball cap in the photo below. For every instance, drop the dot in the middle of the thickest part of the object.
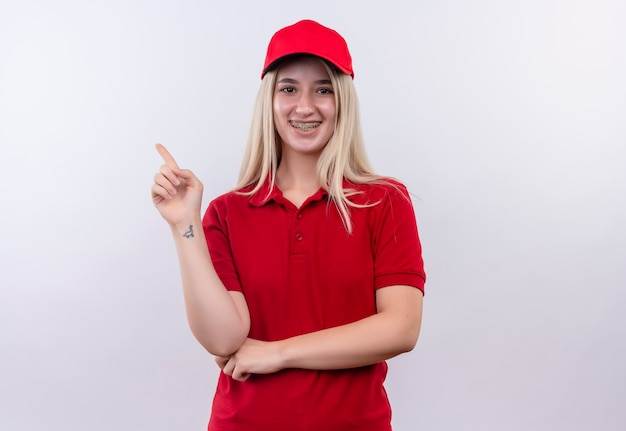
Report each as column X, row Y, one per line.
column 309, row 37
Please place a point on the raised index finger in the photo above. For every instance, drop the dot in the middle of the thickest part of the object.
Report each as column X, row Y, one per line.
column 166, row 156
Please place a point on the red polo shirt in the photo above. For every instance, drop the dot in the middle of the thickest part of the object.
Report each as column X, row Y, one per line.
column 300, row 272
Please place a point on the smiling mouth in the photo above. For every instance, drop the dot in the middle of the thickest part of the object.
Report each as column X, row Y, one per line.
column 305, row 127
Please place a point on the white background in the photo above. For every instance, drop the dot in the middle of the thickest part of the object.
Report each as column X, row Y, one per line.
column 506, row 119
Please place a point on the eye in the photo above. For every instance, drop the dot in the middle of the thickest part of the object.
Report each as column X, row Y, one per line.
column 325, row 90
column 287, row 89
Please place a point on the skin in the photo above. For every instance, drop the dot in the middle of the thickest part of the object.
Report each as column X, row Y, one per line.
column 303, row 95
column 220, row 319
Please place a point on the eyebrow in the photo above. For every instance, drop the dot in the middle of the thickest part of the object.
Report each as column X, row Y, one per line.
column 293, row 81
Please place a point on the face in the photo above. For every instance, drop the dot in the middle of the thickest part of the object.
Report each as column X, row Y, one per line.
column 304, row 106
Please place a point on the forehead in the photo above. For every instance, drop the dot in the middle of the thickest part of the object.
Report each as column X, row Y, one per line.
column 305, row 66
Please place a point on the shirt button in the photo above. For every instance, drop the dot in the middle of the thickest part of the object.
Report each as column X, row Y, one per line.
column 299, row 236
column 299, row 215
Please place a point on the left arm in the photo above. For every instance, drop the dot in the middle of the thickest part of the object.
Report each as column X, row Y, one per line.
column 393, row 330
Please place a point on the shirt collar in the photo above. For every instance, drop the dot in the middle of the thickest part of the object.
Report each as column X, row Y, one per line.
column 267, row 193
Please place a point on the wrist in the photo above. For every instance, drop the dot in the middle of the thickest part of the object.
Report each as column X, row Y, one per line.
column 284, row 354
column 189, row 228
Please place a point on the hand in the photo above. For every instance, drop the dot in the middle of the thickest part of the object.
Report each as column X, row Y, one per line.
column 253, row 357
column 176, row 193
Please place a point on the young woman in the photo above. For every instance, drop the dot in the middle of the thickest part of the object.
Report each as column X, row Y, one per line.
column 308, row 276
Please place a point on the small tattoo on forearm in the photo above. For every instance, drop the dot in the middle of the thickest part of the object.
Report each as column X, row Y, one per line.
column 189, row 233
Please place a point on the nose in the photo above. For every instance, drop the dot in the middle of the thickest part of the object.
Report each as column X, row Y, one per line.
column 305, row 105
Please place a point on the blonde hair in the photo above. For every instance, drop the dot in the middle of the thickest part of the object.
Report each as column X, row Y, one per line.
column 343, row 156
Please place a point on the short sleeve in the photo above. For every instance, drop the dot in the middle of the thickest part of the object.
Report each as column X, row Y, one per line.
column 216, row 232
column 396, row 246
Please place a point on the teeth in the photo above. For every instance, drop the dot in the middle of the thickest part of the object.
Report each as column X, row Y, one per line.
column 305, row 127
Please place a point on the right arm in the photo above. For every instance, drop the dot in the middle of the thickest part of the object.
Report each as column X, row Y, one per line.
column 219, row 319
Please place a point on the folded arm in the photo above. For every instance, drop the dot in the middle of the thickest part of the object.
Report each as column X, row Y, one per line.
column 393, row 330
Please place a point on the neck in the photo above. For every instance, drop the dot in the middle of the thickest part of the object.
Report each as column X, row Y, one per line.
column 298, row 173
